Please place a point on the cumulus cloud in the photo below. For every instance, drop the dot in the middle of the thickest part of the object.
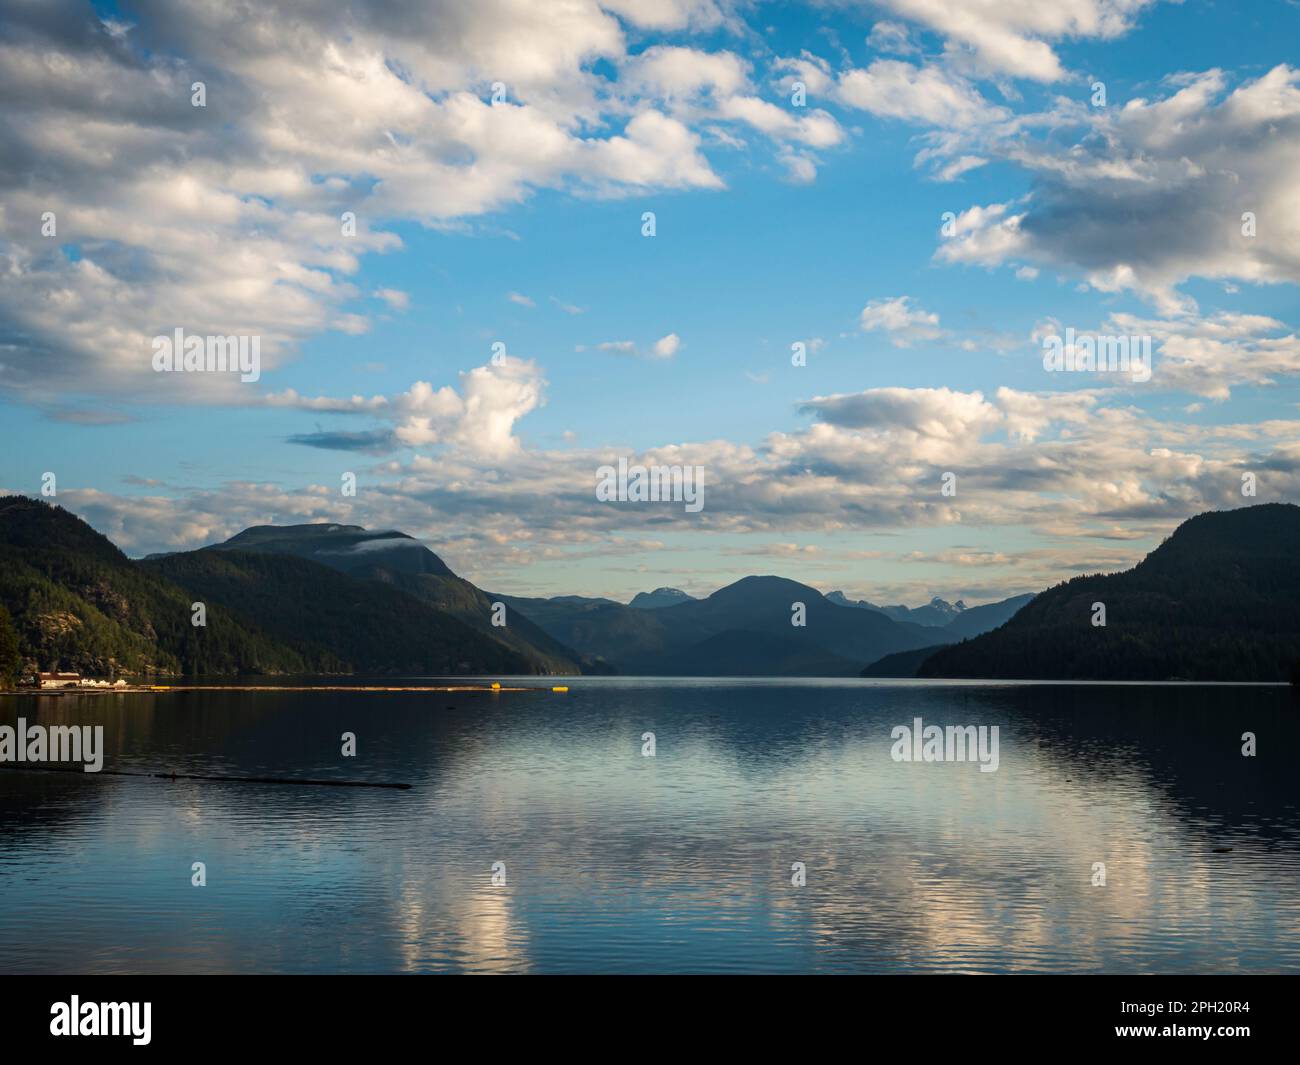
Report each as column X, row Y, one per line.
column 1210, row 356
column 897, row 316
column 1012, row 38
column 322, row 125
column 478, row 419
column 927, row 95
column 699, row 86
column 667, row 346
column 886, row 36
column 1067, row 465
column 395, row 298
column 1152, row 193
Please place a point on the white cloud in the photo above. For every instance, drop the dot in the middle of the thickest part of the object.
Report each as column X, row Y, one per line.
column 226, row 219
column 906, row 324
column 813, row 71
column 1151, row 193
column 685, row 75
column 892, row 37
column 1011, row 37
column 395, row 298
column 667, row 346
column 929, row 95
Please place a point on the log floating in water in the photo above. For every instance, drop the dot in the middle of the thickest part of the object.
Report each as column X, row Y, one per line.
column 28, row 768
column 171, row 689
column 323, row 688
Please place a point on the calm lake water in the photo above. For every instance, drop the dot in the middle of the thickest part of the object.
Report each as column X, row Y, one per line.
column 681, row 862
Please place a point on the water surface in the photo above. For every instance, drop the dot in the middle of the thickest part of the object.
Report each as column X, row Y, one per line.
column 681, row 862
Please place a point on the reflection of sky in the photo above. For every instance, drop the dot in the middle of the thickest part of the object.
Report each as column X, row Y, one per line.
column 682, row 861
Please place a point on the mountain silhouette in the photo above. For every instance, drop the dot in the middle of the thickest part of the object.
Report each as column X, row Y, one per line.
column 1218, row 600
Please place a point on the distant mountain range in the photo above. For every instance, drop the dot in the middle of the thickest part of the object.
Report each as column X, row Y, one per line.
column 936, row 612
column 659, row 597
column 1220, row 599
column 744, row 629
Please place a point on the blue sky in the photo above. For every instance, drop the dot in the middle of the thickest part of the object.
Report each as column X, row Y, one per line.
column 521, row 223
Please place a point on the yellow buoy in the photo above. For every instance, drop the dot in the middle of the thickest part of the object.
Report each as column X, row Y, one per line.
column 560, row 688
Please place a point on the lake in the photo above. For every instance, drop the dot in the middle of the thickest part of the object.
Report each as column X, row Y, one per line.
column 613, row 861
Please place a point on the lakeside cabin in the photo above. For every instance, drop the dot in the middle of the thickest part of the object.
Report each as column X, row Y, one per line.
column 58, row 680
column 46, row 681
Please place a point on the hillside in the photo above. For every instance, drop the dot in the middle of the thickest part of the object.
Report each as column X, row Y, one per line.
column 79, row 604
column 370, row 627
column 975, row 620
column 1218, row 600
column 399, row 561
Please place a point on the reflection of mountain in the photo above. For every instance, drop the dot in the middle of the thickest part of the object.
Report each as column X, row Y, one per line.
column 1218, row 600
column 684, row 858
column 1184, row 742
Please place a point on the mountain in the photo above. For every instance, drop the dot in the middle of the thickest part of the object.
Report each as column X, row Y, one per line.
column 370, row 627
column 747, row 653
column 972, row 621
column 1218, row 600
column 401, row 562
column 79, row 604
column 743, row 629
column 660, row 597
column 601, row 632
column 936, row 613
column 900, row 663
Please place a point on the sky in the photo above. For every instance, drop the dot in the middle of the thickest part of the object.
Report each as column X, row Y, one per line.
column 920, row 193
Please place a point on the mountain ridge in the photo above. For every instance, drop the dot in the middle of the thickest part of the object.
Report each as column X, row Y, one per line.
column 1218, row 599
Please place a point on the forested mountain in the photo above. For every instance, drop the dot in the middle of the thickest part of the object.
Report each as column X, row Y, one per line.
column 957, row 620
column 401, row 562
column 78, row 604
column 977, row 619
column 1218, row 600
column 371, row 628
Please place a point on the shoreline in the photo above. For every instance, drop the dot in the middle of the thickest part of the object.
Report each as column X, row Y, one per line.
column 171, row 689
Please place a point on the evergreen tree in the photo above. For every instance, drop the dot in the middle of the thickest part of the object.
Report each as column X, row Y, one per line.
column 10, row 659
